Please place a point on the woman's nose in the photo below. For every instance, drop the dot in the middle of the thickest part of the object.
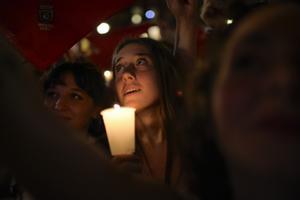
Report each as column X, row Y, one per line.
column 127, row 76
column 60, row 104
column 129, row 73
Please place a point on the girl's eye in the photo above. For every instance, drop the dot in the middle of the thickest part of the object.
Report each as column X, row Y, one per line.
column 51, row 95
column 118, row 68
column 76, row 96
column 142, row 64
column 141, row 61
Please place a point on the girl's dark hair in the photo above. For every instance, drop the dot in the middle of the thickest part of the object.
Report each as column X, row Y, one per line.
column 166, row 71
column 88, row 78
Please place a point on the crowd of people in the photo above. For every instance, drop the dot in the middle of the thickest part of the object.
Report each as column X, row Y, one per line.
column 225, row 127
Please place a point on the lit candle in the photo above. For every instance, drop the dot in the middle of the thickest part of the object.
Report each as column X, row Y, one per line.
column 120, row 128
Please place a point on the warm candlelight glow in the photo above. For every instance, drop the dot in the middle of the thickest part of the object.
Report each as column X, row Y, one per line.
column 120, row 129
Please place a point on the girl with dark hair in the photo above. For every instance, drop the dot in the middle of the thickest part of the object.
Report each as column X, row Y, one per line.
column 76, row 92
column 149, row 77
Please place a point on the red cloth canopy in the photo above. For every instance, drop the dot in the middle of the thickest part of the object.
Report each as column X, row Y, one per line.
column 44, row 29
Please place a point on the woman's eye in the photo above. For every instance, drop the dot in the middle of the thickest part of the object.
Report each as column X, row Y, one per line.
column 51, row 95
column 141, row 61
column 118, row 68
column 142, row 64
column 76, row 96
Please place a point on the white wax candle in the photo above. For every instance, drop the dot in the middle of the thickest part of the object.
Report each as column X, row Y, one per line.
column 120, row 129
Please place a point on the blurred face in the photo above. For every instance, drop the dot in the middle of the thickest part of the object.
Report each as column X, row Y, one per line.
column 256, row 100
column 136, row 82
column 71, row 103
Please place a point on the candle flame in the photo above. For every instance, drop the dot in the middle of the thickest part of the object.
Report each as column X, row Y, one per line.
column 116, row 106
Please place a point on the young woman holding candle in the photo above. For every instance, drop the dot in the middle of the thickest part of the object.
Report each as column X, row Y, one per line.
column 147, row 78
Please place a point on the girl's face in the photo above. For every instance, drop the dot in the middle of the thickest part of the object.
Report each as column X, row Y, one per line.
column 136, row 81
column 256, row 98
column 71, row 103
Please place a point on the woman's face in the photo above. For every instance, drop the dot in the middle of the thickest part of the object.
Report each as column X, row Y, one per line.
column 71, row 103
column 136, row 81
column 256, row 98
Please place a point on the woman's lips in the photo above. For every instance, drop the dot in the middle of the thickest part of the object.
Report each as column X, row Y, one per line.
column 130, row 90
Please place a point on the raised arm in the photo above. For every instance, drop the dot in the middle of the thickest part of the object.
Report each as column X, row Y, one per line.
column 185, row 44
column 185, row 13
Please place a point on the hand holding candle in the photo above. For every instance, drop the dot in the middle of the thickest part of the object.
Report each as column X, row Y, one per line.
column 120, row 128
